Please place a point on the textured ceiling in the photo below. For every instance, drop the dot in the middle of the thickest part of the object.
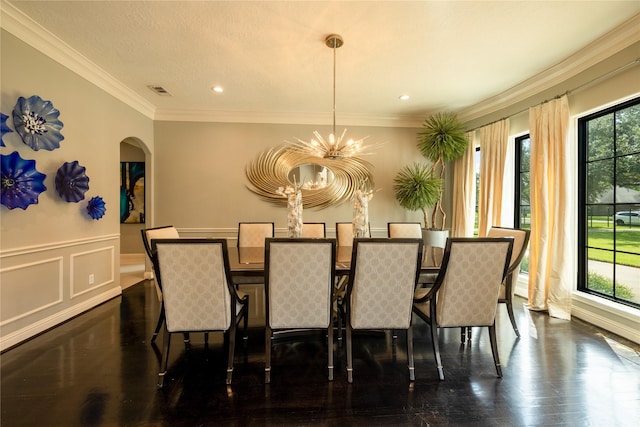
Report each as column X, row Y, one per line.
column 270, row 56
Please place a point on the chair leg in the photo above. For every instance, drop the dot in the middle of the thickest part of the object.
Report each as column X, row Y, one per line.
column 349, row 355
column 164, row 360
column 436, row 349
column 412, row 374
column 494, row 349
column 330, row 349
column 232, row 345
column 463, row 334
column 340, row 315
column 512, row 317
column 159, row 324
column 246, row 321
column 267, row 354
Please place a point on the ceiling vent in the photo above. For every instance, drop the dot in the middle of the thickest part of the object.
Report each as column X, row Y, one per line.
column 159, row 90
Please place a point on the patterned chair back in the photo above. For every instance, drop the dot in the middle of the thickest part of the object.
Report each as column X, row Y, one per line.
column 404, row 229
column 473, row 270
column 299, row 277
column 194, row 275
column 252, row 234
column 383, row 278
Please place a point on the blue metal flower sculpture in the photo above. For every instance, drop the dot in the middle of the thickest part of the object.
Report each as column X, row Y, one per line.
column 3, row 128
column 71, row 181
column 96, row 207
column 21, row 182
column 36, row 121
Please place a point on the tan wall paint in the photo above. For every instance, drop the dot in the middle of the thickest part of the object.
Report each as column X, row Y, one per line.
column 200, row 177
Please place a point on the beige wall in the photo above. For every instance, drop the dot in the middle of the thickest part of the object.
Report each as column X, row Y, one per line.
column 49, row 250
column 200, row 182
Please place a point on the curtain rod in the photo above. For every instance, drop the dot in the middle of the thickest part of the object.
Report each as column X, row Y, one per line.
column 568, row 92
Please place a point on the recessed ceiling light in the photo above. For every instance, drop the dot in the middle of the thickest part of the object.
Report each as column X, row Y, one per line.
column 217, row 89
column 403, row 97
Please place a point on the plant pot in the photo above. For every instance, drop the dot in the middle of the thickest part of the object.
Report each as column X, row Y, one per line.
column 434, row 243
column 435, row 238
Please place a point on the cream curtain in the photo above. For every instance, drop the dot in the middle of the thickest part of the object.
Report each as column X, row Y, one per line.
column 464, row 191
column 494, row 139
column 552, row 269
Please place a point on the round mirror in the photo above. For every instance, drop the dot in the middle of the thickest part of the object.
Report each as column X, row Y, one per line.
column 285, row 165
column 312, row 176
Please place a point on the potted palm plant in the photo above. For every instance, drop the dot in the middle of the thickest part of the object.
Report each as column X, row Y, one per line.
column 419, row 187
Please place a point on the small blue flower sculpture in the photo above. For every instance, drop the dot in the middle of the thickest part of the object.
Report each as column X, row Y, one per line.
column 21, row 182
column 71, row 181
column 36, row 121
column 96, row 207
column 3, row 128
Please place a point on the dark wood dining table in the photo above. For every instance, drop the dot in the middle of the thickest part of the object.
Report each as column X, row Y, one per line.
column 249, row 261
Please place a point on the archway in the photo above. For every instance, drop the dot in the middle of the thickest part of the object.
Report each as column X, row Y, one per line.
column 135, row 209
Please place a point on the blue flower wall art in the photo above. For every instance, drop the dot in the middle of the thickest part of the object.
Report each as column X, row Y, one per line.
column 71, row 181
column 3, row 128
column 21, row 182
column 96, row 207
column 36, row 121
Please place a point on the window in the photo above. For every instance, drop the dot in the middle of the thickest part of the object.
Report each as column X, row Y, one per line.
column 522, row 209
column 609, row 201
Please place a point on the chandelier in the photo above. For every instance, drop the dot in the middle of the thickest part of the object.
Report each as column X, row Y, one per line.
column 334, row 147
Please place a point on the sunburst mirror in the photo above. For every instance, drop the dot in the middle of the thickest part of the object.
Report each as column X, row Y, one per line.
column 324, row 181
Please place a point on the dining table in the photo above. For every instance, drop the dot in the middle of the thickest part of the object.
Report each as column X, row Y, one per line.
column 249, row 261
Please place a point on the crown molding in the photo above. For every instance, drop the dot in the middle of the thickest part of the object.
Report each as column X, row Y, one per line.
column 298, row 118
column 36, row 36
column 616, row 40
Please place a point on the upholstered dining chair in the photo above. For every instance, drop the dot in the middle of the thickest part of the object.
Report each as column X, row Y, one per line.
column 465, row 293
column 253, row 234
column 314, row 230
column 344, row 238
column 163, row 232
column 344, row 233
column 382, row 281
column 299, row 278
column 520, row 244
column 404, row 229
column 198, row 293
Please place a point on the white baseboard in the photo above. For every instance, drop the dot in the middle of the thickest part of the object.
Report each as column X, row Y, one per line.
column 608, row 315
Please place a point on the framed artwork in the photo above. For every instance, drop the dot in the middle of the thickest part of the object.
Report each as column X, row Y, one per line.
column 131, row 192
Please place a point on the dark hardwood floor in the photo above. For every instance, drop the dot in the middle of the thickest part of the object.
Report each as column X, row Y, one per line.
column 99, row 369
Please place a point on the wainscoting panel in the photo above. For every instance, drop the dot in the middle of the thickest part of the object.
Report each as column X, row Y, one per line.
column 42, row 286
column 29, row 288
column 91, row 270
